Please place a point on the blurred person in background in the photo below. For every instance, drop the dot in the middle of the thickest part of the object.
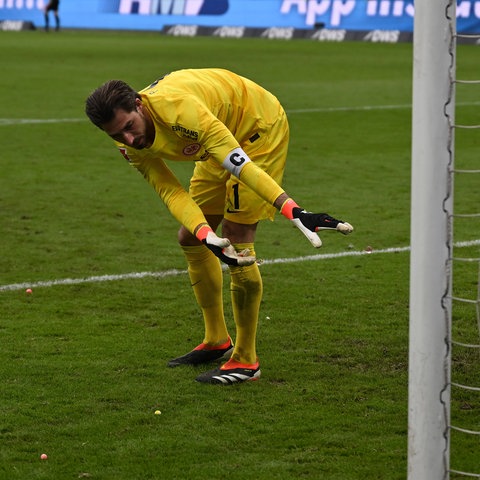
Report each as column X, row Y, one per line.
column 52, row 6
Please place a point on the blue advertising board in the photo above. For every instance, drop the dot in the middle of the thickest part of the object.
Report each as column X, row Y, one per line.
column 299, row 14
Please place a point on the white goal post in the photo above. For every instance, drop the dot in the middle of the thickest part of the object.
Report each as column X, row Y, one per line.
column 431, row 208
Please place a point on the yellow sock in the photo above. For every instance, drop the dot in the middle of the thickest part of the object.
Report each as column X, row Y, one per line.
column 246, row 291
column 206, row 278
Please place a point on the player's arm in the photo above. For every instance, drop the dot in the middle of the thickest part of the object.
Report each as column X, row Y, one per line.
column 172, row 193
column 239, row 164
column 224, row 148
column 188, row 213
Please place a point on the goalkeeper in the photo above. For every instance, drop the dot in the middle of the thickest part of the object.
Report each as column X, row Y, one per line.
column 237, row 134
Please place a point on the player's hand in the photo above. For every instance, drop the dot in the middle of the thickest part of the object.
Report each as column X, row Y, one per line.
column 311, row 223
column 223, row 249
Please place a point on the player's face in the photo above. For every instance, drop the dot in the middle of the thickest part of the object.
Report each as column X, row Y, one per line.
column 133, row 129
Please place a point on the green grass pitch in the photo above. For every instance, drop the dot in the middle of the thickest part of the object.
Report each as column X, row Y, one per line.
column 83, row 365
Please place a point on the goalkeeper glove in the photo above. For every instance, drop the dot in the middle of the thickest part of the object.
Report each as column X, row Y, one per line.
column 310, row 223
column 223, row 249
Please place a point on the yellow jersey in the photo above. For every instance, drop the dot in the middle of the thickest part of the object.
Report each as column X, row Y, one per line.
column 205, row 115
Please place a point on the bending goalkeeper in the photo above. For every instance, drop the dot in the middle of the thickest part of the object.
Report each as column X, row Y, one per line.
column 236, row 135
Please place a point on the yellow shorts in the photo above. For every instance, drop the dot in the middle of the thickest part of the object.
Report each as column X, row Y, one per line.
column 217, row 192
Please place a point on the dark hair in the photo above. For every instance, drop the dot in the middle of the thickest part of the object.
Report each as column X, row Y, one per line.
column 100, row 106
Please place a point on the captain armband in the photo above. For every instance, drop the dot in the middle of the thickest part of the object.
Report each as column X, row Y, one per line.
column 235, row 161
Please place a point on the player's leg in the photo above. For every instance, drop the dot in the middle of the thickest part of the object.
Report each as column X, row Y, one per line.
column 205, row 271
column 246, row 289
column 47, row 20
column 206, row 279
column 57, row 21
column 243, row 210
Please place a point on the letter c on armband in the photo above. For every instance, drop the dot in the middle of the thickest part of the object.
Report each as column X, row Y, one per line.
column 235, row 161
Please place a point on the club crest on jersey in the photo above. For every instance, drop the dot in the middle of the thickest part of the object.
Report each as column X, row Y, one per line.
column 123, row 151
column 192, row 149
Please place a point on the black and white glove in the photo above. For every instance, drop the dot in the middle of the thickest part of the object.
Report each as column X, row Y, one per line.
column 223, row 249
column 310, row 223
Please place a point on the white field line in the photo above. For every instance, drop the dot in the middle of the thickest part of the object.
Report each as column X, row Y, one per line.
column 363, row 108
column 24, row 121
column 176, row 272
column 21, row 121
column 360, row 108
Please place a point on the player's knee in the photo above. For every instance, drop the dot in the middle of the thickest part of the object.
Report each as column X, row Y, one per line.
column 186, row 239
column 238, row 232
